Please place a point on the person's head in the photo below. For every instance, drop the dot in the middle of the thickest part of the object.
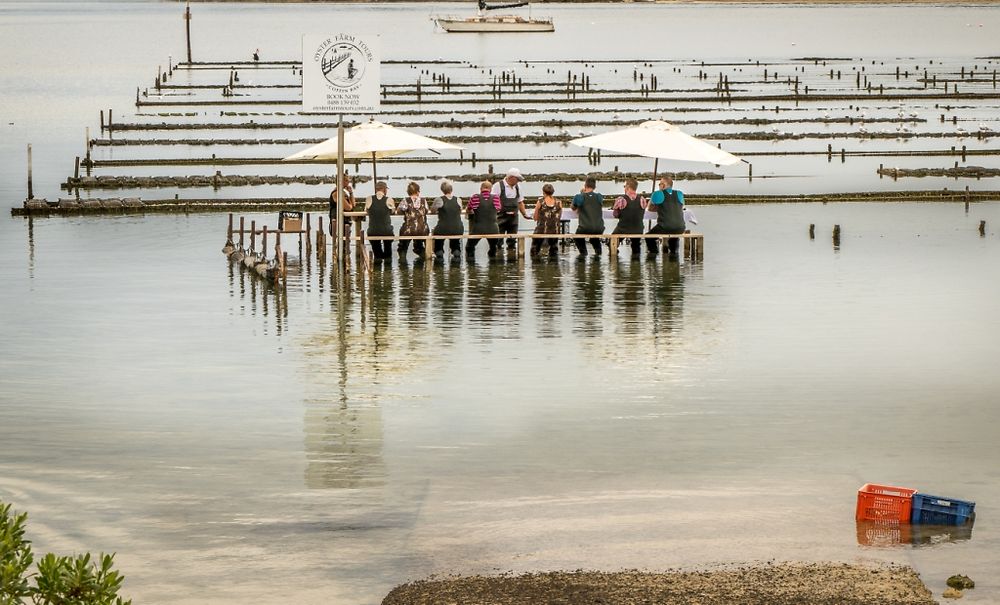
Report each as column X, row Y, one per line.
column 485, row 186
column 413, row 188
column 513, row 177
column 381, row 187
column 590, row 184
column 548, row 189
column 667, row 182
column 446, row 187
column 631, row 185
column 345, row 180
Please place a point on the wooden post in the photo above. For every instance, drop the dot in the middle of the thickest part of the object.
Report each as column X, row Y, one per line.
column 187, row 28
column 338, row 238
column 229, row 228
column 263, row 241
column 836, row 236
column 31, row 190
column 812, row 231
column 102, row 114
column 358, row 234
column 86, row 136
column 982, row 228
column 308, row 233
column 242, row 219
column 76, row 169
column 320, row 238
column 613, row 250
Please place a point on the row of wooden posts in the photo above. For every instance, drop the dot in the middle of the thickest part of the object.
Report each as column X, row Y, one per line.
column 240, row 237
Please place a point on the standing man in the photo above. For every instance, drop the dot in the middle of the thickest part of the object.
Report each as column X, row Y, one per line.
column 669, row 205
column 589, row 207
column 511, row 204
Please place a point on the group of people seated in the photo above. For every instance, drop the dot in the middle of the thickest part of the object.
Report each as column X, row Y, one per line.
column 496, row 209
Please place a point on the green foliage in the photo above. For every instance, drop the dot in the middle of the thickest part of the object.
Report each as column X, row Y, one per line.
column 58, row 580
column 15, row 557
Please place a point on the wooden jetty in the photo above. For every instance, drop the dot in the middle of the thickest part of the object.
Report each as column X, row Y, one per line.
column 241, row 243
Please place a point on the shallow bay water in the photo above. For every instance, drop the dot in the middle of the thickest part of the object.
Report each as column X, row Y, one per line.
column 233, row 444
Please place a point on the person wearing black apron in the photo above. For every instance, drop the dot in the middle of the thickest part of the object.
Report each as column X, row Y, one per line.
column 380, row 208
column 482, row 211
column 589, row 206
column 414, row 210
column 449, row 213
column 669, row 205
column 629, row 210
column 548, row 219
column 511, row 204
column 348, row 206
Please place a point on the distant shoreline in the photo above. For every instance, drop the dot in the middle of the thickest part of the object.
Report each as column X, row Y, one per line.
column 672, row 2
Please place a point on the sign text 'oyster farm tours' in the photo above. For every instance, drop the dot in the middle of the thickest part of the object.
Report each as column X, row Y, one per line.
column 340, row 74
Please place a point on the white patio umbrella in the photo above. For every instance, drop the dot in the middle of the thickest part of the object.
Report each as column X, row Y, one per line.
column 372, row 140
column 658, row 139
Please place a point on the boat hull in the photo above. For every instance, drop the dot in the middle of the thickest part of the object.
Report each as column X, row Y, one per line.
column 495, row 24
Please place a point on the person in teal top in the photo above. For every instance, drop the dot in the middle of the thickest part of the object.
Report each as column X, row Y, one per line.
column 668, row 203
column 589, row 206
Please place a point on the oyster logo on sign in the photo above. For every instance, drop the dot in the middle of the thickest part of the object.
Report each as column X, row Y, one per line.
column 340, row 74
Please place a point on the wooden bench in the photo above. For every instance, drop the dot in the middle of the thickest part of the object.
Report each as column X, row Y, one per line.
column 694, row 250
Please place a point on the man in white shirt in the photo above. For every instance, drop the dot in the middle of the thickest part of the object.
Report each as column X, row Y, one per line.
column 511, row 203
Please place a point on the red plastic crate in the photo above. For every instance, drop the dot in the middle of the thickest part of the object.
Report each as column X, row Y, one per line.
column 884, row 503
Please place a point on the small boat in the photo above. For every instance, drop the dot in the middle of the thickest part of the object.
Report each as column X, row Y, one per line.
column 483, row 22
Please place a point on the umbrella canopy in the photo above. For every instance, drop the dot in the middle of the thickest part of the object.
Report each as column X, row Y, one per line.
column 658, row 139
column 372, row 139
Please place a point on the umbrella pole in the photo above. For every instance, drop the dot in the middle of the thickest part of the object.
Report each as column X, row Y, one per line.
column 656, row 164
column 338, row 237
column 374, row 172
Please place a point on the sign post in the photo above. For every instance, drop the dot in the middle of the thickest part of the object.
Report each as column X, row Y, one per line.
column 341, row 73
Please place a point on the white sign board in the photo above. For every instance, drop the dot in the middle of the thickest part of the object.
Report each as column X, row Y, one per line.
column 341, row 73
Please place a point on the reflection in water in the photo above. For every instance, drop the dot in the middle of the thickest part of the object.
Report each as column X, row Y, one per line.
column 386, row 328
column 257, row 297
column 449, row 290
column 881, row 534
column 629, row 296
column 666, row 298
column 343, row 433
column 588, row 297
column 31, row 247
column 547, row 302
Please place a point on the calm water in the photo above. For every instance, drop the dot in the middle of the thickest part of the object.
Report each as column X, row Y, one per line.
column 233, row 444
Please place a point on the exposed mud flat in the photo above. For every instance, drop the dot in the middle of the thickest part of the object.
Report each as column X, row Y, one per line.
column 763, row 584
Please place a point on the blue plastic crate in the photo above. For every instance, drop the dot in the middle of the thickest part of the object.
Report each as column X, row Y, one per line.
column 935, row 510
